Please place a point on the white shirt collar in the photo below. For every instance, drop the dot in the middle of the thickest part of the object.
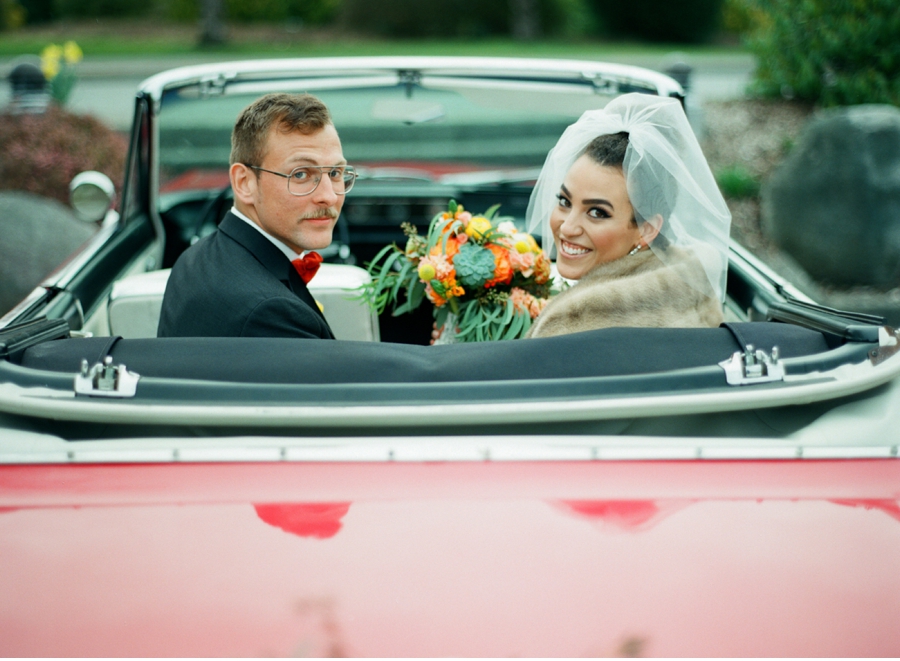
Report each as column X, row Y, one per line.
column 290, row 254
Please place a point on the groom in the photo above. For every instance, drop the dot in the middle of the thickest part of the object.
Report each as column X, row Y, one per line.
column 248, row 279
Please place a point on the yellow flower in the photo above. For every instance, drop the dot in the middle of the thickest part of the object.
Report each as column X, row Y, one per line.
column 72, row 52
column 525, row 243
column 50, row 57
column 427, row 272
column 478, row 227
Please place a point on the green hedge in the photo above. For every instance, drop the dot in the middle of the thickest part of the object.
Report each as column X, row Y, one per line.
column 436, row 18
column 668, row 21
column 829, row 52
column 313, row 12
column 455, row 18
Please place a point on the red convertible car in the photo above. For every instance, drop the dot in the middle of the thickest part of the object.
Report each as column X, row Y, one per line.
column 729, row 491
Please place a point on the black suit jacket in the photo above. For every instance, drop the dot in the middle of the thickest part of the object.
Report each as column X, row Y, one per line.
column 235, row 283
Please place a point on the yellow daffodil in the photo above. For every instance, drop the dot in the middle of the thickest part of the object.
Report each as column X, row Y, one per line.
column 72, row 52
column 50, row 57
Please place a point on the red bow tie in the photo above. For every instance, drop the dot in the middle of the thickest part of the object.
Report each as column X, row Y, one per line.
column 307, row 265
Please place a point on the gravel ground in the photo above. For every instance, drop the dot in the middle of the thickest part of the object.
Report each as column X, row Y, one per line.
column 755, row 135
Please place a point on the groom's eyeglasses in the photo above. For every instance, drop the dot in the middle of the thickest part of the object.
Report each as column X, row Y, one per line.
column 305, row 179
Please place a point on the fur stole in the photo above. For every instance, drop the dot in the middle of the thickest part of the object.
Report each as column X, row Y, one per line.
column 634, row 291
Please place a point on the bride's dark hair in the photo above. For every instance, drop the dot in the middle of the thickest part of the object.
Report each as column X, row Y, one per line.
column 609, row 150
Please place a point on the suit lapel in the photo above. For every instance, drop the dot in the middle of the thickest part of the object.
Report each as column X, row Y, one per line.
column 270, row 257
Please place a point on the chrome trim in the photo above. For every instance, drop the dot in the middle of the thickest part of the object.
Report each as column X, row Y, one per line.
column 445, row 66
column 755, row 266
column 47, row 450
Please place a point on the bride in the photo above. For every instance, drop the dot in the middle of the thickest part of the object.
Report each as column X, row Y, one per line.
column 636, row 219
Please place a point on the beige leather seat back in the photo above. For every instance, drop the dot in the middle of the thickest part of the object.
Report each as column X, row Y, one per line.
column 135, row 302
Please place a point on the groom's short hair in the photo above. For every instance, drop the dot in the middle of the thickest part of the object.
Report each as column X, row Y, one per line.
column 303, row 113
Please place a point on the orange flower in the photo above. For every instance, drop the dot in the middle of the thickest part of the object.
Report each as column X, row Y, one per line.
column 451, row 290
column 503, row 272
column 541, row 268
column 438, row 300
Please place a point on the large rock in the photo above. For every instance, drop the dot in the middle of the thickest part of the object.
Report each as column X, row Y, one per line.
column 37, row 234
column 834, row 203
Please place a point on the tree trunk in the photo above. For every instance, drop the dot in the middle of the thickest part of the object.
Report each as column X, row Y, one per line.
column 525, row 21
column 212, row 29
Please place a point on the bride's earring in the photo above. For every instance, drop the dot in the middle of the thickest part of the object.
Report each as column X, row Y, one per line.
column 635, row 250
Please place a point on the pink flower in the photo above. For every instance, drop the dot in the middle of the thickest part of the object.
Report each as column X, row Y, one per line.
column 522, row 262
column 537, row 306
column 521, row 299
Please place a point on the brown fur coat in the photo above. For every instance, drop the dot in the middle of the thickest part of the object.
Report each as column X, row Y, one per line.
column 635, row 290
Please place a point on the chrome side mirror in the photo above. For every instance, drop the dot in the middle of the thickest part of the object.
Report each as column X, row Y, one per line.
column 91, row 195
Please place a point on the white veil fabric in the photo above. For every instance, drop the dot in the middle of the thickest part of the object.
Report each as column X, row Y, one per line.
column 665, row 173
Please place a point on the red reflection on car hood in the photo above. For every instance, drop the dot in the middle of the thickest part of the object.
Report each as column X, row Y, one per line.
column 321, row 520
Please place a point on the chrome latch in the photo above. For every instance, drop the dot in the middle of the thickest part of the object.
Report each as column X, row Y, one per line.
column 106, row 380
column 753, row 366
column 888, row 345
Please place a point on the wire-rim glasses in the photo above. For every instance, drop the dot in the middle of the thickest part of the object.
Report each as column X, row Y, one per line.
column 304, row 180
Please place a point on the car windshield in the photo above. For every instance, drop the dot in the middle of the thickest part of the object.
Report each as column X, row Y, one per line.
column 428, row 129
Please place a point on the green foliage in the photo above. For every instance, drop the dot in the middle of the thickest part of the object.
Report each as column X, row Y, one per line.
column 457, row 18
column 182, row 11
column 437, row 18
column 313, row 12
column 740, row 17
column 99, row 8
column 829, row 52
column 38, row 11
column 686, row 21
column 736, row 182
column 572, row 18
column 12, row 15
column 42, row 153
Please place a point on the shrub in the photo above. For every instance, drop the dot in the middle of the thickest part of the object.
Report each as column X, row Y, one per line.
column 313, row 12
column 687, row 21
column 830, row 52
column 42, row 153
column 99, row 8
column 450, row 18
column 38, row 11
column 12, row 15
column 736, row 182
column 414, row 18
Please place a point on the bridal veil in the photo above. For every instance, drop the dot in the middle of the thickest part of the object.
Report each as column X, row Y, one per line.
column 665, row 173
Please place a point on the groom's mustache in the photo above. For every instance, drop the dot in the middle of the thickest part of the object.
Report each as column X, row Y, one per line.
column 323, row 212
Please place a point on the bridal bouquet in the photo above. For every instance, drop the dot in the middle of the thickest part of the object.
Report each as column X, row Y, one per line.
column 485, row 278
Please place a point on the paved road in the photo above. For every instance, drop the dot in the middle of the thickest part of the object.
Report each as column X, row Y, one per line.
column 106, row 86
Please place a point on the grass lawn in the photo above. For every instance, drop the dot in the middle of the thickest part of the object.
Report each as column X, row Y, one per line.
column 148, row 38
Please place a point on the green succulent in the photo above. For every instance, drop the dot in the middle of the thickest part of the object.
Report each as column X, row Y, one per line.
column 474, row 265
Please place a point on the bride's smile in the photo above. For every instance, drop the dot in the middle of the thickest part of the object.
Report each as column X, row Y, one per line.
column 572, row 250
